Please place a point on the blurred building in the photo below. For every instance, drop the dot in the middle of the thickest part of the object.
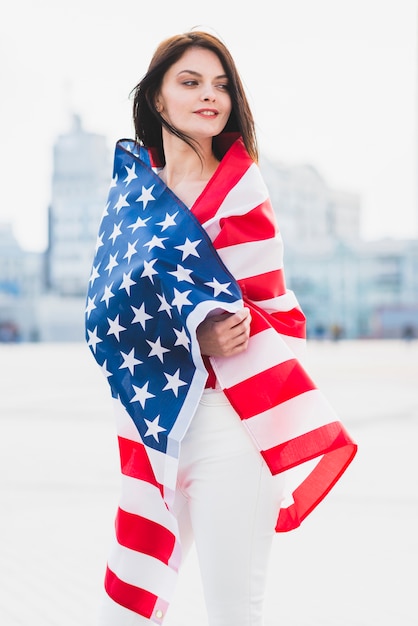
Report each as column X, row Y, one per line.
column 80, row 183
column 21, row 283
column 347, row 287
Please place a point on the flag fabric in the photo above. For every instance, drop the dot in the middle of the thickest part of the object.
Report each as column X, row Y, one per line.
column 159, row 270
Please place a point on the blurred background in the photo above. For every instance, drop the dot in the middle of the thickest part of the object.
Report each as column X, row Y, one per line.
column 333, row 87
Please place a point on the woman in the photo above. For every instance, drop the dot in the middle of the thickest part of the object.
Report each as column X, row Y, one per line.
column 224, row 439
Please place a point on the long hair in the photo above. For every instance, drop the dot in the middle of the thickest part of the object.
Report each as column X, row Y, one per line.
column 148, row 122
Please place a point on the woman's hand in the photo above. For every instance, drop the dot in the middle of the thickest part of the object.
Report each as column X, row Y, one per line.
column 225, row 334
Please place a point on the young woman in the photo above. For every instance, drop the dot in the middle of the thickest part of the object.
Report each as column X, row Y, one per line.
column 224, row 439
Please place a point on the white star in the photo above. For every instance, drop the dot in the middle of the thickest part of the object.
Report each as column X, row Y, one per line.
column 112, row 262
column 90, row 306
column 131, row 251
column 180, row 299
column 153, row 428
column 131, row 174
column 114, row 327
column 105, row 371
column 141, row 394
column 121, row 202
column 157, row 349
column 182, row 338
column 94, row 274
column 168, row 221
column 182, row 273
column 93, row 339
column 127, row 282
column 107, row 295
column 114, row 181
column 155, row 242
column 164, row 305
column 189, row 248
column 130, row 361
column 174, row 382
column 218, row 287
column 116, row 231
column 140, row 223
column 99, row 242
column 105, row 210
column 149, row 270
column 141, row 316
column 146, row 196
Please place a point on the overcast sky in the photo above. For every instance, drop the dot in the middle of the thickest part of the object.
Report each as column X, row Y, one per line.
column 331, row 83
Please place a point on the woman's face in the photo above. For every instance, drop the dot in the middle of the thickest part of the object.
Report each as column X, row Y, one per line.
column 194, row 96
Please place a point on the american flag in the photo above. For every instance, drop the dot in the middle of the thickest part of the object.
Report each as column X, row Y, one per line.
column 156, row 275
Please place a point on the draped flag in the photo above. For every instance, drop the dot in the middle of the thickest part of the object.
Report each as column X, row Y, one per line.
column 159, row 270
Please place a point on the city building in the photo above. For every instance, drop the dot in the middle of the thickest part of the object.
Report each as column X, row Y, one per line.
column 347, row 287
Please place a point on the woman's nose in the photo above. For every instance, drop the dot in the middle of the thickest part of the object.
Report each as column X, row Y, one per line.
column 208, row 94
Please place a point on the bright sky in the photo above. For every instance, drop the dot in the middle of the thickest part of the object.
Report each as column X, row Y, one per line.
column 331, row 83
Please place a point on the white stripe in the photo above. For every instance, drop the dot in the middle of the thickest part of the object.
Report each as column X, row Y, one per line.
column 265, row 350
column 291, row 419
column 143, row 499
column 142, row 571
column 246, row 195
column 245, row 260
column 285, row 302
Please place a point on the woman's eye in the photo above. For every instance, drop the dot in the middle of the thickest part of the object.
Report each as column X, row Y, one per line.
column 190, row 82
column 223, row 86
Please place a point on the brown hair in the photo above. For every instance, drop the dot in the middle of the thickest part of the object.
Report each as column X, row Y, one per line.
column 148, row 122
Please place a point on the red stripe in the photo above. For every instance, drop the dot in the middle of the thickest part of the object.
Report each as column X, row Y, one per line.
column 338, row 451
column 269, row 388
column 234, row 165
column 134, row 598
column 144, row 535
column 134, row 461
column 256, row 225
column 291, row 323
column 264, row 286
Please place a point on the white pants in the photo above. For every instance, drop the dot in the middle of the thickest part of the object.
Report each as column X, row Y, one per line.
column 227, row 502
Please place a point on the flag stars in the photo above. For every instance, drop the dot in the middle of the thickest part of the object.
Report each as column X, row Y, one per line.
column 218, row 287
column 122, row 202
column 131, row 175
column 189, row 248
column 99, row 241
column 140, row 316
column 174, row 382
column 130, row 361
column 127, row 283
column 93, row 339
column 182, row 274
column 140, row 223
column 154, row 428
column 170, row 220
column 131, row 251
column 164, row 305
column 114, row 327
column 182, row 338
column 146, row 196
column 90, row 306
column 94, row 274
column 149, row 270
column 157, row 349
column 180, row 299
column 116, row 232
column 112, row 262
column 155, row 242
column 107, row 294
column 141, row 394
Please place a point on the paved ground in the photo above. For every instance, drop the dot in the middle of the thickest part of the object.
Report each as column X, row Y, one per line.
column 352, row 563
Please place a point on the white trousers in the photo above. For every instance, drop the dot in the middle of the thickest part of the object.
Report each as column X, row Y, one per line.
column 227, row 503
